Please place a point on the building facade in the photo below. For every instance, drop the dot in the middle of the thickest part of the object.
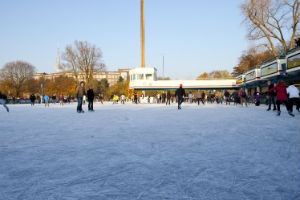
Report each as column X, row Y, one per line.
column 112, row 77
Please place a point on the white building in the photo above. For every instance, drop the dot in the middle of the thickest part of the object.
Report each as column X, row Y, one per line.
column 146, row 78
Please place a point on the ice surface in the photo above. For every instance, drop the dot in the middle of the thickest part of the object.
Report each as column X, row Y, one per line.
column 148, row 151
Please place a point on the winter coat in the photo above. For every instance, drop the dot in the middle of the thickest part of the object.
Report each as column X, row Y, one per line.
column 180, row 92
column 240, row 94
column 198, row 95
column 2, row 96
column 281, row 92
column 80, row 92
column 32, row 98
column 226, row 94
column 46, row 98
column 90, row 94
column 168, row 94
column 292, row 91
column 272, row 93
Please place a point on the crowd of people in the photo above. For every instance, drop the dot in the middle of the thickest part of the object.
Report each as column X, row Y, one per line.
column 276, row 95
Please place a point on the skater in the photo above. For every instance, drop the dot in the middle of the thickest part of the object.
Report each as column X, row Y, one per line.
column 281, row 96
column 79, row 94
column 293, row 98
column 90, row 97
column 123, row 98
column 3, row 101
column 243, row 96
column 227, row 97
column 271, row 96
column 180, row 93
column 257, row 99
column 168, row 101
column 32, row 99
column 101, row 98
column 115, row 99
column 203, row 98
column 46, row 100
column 61, row 100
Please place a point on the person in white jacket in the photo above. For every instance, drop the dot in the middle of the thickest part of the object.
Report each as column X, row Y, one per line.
column 293, row 97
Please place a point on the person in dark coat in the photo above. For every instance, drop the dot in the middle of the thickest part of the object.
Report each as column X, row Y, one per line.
column 271, row 95
column 168, row 97
column 90, row 97
column 180, row 93
column 32, row 99
column 227, row 96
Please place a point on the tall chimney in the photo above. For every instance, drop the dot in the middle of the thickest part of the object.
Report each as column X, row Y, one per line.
column 142, row 35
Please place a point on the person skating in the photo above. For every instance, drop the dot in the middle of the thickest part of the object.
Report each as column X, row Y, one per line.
column 271, row 96
column 293, row 98
column 80, row 92
column 90, row 97
column 32, row 99
column 180, row 93
column 281, row 96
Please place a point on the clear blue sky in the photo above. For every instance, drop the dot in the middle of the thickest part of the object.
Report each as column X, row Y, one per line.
column 193, row 36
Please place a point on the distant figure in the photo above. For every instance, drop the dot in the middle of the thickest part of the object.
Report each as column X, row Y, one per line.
column 180, row 93
column 79, row 94
column 281, row 96
column 198, row 97
column 257, row 98
column 158, row 97
column 123, row 99
column 135, row 98
column 46, row 100
column 271, row 96
column 236, row 98
column 203, row 97
column 227, row 97
column 54, row 98
column 115, row 99
column 32, row 99
column 293, row 98
column 61, row 100
column 90, row 97
column 168, row 97
column 163, row 97
column 243, row 96
column 190, row 96
column 101, row 98
column 3, row 101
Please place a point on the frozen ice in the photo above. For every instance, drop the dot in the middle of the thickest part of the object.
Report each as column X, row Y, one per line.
column 149, row 151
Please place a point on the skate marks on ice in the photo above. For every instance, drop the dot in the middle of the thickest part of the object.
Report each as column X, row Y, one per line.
column 149, row 152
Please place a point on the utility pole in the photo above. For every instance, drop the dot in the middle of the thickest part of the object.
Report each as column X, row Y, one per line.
column 142, row 35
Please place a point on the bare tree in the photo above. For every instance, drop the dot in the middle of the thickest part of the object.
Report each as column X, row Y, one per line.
column 15, row 74
column 217, row 74
column 83, row 60
column 272, row 20
column 253, row 57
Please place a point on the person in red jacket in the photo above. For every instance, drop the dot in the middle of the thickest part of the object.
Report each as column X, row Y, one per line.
column 281, row 96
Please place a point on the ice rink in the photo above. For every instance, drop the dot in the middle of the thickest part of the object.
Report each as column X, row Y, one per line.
column 149, row 151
